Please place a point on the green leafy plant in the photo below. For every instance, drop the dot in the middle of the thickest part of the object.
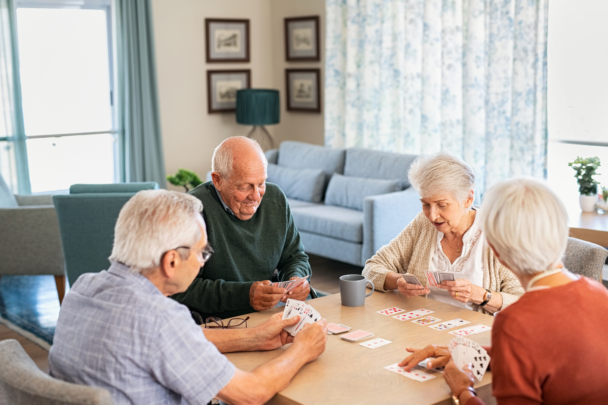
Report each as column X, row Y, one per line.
column 605, row 194
column 585, row 170
column 185, row 178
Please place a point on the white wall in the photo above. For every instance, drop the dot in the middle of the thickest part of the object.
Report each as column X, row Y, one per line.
column 190, row 133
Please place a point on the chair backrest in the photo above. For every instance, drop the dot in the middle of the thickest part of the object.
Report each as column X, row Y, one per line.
column 585, row 258
column 24, row 383
column 86, row 224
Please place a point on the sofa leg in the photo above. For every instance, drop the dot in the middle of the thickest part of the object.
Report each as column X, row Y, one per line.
column 60, row 283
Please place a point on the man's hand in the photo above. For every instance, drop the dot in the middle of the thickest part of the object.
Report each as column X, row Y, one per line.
column 311, row 339
column 263, row 295
column 270, row 335
column 299, row 293
column 458, row 380
column 411, row 290
column 441, row 354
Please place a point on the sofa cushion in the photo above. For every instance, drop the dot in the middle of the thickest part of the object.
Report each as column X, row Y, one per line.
column 336, row 222
column 293, row 203
column 301, row 184
column 299, row 155
column 349, row 192
column 375, row 164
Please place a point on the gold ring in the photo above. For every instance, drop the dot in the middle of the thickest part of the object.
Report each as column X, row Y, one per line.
column 456, row 294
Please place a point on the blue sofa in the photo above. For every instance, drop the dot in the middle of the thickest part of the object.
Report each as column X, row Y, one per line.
column 346, row 203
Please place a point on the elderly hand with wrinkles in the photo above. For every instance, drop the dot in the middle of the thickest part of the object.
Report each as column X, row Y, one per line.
column 462, row 290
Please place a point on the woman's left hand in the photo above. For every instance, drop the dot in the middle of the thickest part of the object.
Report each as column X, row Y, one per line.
column 462, row 290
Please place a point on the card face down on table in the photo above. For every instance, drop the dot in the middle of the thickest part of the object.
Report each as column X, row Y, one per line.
column 299, row 308
column 357, row 335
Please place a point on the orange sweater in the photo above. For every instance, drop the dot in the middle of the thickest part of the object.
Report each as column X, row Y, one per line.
column 551, row 347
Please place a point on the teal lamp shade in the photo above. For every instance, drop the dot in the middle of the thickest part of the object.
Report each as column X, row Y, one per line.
column 257, row 107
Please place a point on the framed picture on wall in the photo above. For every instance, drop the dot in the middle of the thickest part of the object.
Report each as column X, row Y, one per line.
column 222, row 86
column 303, row 87
column 302, row 39
column 227, row 40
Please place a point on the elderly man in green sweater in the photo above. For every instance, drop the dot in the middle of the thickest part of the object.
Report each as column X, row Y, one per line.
column 250, row 226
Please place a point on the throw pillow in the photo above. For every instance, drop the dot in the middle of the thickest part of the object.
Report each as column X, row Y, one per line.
column 301, row 184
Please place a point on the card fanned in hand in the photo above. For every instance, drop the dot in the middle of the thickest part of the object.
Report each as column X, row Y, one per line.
column 465, row 351
column 299, row 308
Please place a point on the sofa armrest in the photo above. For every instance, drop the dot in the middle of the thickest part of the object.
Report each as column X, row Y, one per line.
column 25, row 200
column 31, row 244
column 384, row 216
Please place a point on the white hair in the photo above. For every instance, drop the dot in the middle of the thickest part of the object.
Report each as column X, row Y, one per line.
column 153, row 222
column 433, row 175
column 222, row 160
column 526, row 223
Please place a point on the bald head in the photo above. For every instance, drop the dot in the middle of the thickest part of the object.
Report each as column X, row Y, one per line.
column 239, row 175
column 235, row 154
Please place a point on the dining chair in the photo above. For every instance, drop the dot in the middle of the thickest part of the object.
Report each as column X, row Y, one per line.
column 585, row 258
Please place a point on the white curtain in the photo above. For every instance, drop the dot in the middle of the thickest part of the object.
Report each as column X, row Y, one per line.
column 420, row 76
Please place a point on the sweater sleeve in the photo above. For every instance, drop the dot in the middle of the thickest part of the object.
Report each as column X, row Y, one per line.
column 509, row 285
column 215, row 296
column 393, row 257
column 294, row 261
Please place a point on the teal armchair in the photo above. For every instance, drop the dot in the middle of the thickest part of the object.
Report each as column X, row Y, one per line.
column 87, row 217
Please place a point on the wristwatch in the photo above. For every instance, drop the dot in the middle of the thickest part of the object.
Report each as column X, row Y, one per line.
column 486, row 298
column 455, row 399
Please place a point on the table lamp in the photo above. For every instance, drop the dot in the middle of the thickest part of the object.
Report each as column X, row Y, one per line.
column 258, row 107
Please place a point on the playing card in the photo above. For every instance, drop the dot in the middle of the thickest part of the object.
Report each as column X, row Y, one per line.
column 443, row 276
column 295, row 283
column 307, row 315
column 430, row 278
column 357, row 335
column 375, row 343
column 411, row 279
column 471, row 330
column 336, row 328
column 413, row 314
column 414, row 374
column 449, row 324
column 465, row 351
column 310, row 315
column 390, row 311
column 424, row 362
column 426, row 320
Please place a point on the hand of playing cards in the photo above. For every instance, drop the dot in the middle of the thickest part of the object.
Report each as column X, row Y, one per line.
column 434, row 278
column 465, row 351
column 307, row 315
column 290, row 284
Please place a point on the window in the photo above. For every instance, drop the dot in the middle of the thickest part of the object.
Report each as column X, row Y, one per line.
column 67, row 90
column 577, row 89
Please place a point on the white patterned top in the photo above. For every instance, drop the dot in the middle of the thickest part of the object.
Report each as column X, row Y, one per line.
column 468, row 266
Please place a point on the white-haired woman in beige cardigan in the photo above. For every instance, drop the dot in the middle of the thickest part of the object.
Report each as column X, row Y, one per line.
column 445, row 237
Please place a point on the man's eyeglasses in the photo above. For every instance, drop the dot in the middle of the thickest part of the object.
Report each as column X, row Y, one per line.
column 215, row 322
column 203, row 255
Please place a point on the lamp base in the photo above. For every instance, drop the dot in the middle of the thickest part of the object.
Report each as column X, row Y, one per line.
column 260, row 132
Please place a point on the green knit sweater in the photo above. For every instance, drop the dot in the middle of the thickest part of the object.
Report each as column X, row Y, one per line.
column 245, row 251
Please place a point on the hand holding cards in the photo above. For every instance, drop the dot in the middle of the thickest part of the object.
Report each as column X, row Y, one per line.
column 465, row 351
column 299, row 308
column 434, row 278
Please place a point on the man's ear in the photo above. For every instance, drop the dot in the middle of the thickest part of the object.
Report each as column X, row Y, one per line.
column 169, row 264
column 217, row 179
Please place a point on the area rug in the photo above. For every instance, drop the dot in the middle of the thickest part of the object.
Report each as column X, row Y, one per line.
column 29, row 305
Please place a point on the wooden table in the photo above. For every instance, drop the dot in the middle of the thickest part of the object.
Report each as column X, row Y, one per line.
column 348, row 373
column 589, row 226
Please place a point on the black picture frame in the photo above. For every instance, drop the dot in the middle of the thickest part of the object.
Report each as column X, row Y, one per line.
column 215, row 93
column 227, row 40
column 303, row 89
column 302, row 39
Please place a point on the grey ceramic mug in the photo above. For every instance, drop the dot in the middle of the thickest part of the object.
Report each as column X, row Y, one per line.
column 352, row 290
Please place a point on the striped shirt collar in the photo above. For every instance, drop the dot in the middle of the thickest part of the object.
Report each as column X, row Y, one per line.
column 226, row 208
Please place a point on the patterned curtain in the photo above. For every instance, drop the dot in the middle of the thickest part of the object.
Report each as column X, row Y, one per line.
column 420, row 76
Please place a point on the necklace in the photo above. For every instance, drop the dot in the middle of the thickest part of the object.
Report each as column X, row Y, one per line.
column 468, row 224
column 541, row 275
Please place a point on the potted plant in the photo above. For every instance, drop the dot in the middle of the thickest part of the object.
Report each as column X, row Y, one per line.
column 587, row 186
column 185, row 178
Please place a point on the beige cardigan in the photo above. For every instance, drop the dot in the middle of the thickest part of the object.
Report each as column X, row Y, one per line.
column 410, row 252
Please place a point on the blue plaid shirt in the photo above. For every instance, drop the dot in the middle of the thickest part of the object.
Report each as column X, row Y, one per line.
column 117, row 331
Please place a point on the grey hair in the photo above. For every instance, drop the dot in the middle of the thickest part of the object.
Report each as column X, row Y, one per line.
column 526, row 223
column 440, row 173
column 222, row 160
column 153, row 222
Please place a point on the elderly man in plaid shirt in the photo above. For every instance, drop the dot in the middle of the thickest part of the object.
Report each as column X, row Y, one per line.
column 118, row 330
